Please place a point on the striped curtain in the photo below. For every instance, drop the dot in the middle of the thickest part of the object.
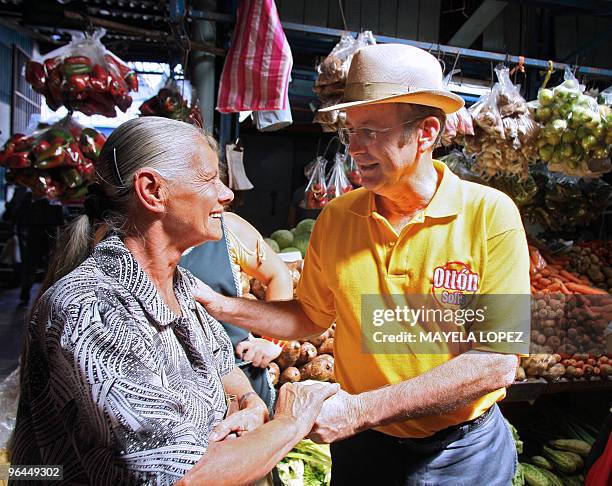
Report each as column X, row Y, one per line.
column 258, row 65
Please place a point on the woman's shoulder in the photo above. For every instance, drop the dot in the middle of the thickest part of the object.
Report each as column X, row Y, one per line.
column 74, row 290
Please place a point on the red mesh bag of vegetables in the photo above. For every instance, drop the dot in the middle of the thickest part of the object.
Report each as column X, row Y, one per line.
column 83, row 76
column 170, row 102
column 56, row 161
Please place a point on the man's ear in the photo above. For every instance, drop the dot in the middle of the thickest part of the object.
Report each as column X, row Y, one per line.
column 150, row 189
column 429, row 133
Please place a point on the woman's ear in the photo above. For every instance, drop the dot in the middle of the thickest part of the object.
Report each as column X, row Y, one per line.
column 151, row 190
column 429, row 134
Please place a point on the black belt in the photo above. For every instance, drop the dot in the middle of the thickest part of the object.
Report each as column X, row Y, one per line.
column 441, row 439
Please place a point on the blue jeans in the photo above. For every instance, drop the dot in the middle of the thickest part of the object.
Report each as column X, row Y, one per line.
column 477, row 454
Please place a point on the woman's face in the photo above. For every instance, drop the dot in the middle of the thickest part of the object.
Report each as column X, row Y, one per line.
column 195, row 204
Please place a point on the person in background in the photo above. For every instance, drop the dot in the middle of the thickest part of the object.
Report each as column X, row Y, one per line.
column 219, row 264
column 125, row 379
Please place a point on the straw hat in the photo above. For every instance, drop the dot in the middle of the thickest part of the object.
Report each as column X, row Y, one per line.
column 396, row 73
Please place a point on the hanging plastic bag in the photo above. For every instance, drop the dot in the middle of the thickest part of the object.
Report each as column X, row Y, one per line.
column 83, row 76
column 505, row 132
column 171, row 102
column 315, row 195
column 352, row 171
column 56, row 162
column 576, row 136
column 332, row 78
column 9, row 398
column 337, row 182
column 238, row 179
column 458, row 123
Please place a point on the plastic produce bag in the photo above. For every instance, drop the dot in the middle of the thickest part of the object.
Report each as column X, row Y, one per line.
column 458, row 123
column 576, row 135
column 9, row 398
column 56, row 162
column 352, row 171
column 83, row 76
column 331, row 79
column 504, row 131
column 337, row 182
column 169, row 102
column 315, row 195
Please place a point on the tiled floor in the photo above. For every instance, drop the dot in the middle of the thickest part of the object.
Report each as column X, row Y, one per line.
column 12, row 329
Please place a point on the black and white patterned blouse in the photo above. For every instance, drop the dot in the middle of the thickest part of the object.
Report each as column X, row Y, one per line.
column 115, row 386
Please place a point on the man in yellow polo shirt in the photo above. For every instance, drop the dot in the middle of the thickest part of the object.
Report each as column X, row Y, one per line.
column 417, row 404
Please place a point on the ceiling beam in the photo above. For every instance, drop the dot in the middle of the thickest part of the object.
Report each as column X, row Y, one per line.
column 477, row 23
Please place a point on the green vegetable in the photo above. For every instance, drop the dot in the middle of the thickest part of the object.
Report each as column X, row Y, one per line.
column 273, row 244
column 542, row 462
column 518, row 443
column 579, row 447
column 283, row 237
column 534, row 476
column 308, row 464
column 304, row 226
column 301, row 242
column 565, row 462
column 553, row 479
column 519, row 477
column 290, row 249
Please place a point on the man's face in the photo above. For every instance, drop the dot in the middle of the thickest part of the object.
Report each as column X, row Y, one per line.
column 391, row 157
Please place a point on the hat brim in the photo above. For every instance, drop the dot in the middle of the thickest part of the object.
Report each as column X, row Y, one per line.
column 445, row 100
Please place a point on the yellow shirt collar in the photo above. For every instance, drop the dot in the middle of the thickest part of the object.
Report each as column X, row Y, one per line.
column 447, row 200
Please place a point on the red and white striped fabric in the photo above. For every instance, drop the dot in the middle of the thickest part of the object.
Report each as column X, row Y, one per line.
column 258, row 64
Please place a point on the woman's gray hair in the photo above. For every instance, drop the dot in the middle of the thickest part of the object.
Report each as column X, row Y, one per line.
column 164, row 145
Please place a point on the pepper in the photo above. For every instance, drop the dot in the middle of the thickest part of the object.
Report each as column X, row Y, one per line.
column 74, row 156
column 35, row 75
column 87, row 169
column 91, row 142
column 132, row 81
column 99, row 79
column 59, row 136
column 124, row 101
column 18, row 160
column 71, row 178
column 77, row 85
column 75, row 195
column 122, row 69
column 50, row 158
column 40, row 147
column 54, row 85
column 51, row 64
column 149, row 107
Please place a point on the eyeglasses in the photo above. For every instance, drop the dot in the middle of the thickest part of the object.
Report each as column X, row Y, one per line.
column 368, row 135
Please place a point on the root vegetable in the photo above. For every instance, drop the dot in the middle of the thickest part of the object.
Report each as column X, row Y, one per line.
column 289, row 355
column 317, row 341
column 321, row 368
column 327, row 347
column 307, row 353
column 290, row 375
column 274, row 372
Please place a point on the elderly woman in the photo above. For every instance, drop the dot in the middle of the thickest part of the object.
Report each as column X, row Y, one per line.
column 125, row 377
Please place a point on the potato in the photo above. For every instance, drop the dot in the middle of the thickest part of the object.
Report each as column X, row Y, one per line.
column 317, row 341
column 555, row 372
column 289, row 355
column 274, row 372
column 249, row 296
column 327, row 347
column 520, row 374
column 258, row 289
column 290, row 375
column 307, row 353
column 321, row 368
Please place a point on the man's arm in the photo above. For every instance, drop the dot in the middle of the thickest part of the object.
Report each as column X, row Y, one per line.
column 281, row 319
column 441, row 390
